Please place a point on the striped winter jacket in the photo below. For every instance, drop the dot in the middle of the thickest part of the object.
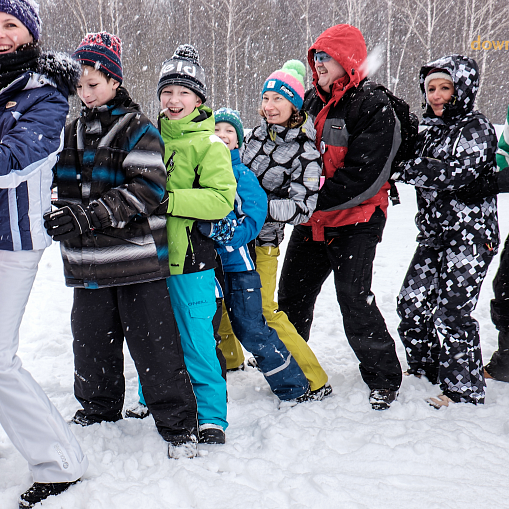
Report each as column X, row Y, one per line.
column 287, row 164
column 33, row 109
column 114, row 154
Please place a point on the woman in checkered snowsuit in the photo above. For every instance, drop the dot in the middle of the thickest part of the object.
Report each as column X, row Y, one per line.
column 456, row 241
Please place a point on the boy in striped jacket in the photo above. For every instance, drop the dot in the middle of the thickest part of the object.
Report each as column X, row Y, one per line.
column 112, row 227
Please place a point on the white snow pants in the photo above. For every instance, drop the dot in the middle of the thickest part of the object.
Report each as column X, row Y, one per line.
column 28, row 417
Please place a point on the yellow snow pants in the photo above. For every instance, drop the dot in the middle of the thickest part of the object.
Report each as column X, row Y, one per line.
column 266, row 266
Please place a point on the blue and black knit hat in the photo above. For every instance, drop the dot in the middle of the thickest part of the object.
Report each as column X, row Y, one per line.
column 183, row 69
column 27, row 11
column 103, row 51
column 233, row 118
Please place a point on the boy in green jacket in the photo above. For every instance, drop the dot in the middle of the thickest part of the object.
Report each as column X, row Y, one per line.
column 201, row 186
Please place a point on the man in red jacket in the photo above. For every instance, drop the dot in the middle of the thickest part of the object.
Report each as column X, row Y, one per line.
column 358, row 136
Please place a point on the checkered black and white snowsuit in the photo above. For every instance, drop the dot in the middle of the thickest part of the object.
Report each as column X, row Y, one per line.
column 456, row 241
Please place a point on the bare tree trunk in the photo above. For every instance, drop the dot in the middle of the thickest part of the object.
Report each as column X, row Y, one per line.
column 213, row 77
column 485, row 53
column 389, row 42
column 79, row 14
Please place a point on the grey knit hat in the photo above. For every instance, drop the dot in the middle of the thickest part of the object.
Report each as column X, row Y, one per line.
column 184, row 69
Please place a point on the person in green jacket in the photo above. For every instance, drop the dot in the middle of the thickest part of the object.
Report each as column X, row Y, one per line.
column 201, row 186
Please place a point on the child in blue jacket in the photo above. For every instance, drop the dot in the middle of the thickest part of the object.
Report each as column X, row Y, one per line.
column 241, row 281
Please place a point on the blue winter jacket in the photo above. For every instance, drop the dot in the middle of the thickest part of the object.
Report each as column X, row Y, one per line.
column 33, row 109
column 251, row 211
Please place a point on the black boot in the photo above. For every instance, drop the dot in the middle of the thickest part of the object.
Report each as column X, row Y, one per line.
column 498, row 367
column 381, row 399
column 211, row 434
column 42, row 490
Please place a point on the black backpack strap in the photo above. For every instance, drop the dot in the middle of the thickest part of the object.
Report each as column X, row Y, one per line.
column 353, row 117
column 358, row 98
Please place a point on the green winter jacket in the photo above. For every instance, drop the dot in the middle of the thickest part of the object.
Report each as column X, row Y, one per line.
column 200, row 184
column 503, row 146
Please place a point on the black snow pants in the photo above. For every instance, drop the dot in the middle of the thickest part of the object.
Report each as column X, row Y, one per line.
column 439, row 293
column 349, row 251
column 142, row 314
column 498, row 367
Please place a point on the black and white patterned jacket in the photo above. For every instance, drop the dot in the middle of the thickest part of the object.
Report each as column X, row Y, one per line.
column 287, row 164
column 452, row 150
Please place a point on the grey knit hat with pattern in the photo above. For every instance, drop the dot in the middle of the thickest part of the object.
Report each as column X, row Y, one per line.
column 184, row 69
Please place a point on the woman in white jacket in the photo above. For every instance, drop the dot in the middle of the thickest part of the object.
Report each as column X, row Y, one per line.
column 33, row 96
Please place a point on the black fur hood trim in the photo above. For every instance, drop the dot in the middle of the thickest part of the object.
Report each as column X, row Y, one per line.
column 60, row 68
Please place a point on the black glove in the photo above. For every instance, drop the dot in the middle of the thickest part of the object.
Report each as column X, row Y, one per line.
column 72, row 219
column 483, row 186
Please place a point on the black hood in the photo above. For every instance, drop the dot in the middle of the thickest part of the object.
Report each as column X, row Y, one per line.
column 465, row 76
column 61, row 69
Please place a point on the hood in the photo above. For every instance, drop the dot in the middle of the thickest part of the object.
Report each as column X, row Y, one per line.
column 465, row 76
column 61, row 69
column 346, row 45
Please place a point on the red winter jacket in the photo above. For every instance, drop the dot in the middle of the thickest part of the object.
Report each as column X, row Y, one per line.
column 357, row 147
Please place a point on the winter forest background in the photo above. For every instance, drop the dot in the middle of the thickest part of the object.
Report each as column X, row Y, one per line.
column 241, row 42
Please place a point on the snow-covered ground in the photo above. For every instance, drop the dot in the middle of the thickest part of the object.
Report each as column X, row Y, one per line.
column 337, row 453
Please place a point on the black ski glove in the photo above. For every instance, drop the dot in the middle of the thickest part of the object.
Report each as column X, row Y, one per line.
column 483, row 186
column 72, row 219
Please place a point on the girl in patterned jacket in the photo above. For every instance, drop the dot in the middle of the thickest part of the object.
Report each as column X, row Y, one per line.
column 281, row 152
column 456, row 241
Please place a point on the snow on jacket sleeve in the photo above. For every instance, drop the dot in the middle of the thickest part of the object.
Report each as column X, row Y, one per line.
column 367, row 164
column 303, row 190
column 145, row 176
column 250, row 208
column 458, row 161
column 41, row 129
column 213, row 195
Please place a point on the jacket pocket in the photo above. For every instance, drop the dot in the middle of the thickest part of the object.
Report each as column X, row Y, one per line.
column 204, row 311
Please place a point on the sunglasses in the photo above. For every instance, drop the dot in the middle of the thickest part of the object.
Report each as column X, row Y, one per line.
column 321, row 56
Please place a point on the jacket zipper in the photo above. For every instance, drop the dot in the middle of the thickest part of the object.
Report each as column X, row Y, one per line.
column 193, row 258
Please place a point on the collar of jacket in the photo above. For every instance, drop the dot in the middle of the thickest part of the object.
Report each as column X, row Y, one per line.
column 97, row 120
column 281, row 134
column 53, row 69
column 338, row 93
column 200, row 120
column 235, row 154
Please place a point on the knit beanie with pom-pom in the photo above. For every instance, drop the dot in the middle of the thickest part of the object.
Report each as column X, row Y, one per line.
column 183, row 69
column 103, row 51
column 288, row 82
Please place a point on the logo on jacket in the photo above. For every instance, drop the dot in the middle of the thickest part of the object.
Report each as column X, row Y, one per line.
column 170, row 164
column 10, row 104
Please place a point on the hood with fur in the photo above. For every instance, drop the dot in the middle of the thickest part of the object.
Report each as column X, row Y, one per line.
column 61, row 69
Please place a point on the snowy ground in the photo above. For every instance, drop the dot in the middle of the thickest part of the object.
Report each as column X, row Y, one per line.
column 332, row 454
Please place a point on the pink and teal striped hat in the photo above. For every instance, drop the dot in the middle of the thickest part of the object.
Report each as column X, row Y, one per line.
column 288, row 82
